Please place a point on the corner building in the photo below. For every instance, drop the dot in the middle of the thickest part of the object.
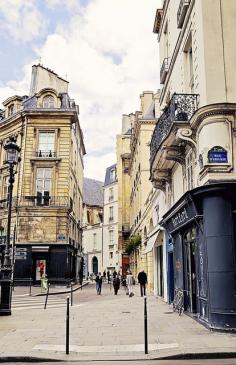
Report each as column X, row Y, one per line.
column 192, row 155
column 47, row 198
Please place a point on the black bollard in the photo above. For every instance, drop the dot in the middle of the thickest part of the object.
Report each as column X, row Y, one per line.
column 46, row 299
column 30, row 287
column 145, row 326
column 67, row 325
column 71, row 294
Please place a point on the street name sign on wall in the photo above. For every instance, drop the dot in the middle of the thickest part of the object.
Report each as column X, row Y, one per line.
column 21, row 253
column 217, row 154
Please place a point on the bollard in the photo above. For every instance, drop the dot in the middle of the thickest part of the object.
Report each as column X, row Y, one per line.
column 145, row 326
column 67, row 325
column 46, row 299
column 30, row 286
column 71, row 294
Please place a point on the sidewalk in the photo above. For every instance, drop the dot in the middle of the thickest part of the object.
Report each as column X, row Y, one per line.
column 107, row 327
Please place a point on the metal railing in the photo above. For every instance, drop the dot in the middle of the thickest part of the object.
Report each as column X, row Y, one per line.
column 43, row 201
column 180, row 109
column 46, row 154
column 183, row 7
column 164, row 70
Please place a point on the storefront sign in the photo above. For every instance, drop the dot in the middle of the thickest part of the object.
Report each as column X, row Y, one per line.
column 217, row 155
column 180, row 218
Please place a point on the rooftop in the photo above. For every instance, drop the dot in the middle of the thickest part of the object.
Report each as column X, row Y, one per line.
column 93, row 192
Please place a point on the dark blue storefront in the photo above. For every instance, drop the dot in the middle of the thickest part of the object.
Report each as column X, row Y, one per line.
column 202, row 225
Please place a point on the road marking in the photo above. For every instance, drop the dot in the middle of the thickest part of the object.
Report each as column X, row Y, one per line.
column 107, row 349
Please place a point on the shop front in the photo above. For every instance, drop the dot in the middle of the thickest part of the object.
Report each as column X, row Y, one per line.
column 202, row 228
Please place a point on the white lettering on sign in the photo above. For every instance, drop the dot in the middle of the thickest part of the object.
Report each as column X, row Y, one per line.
column 180, row 218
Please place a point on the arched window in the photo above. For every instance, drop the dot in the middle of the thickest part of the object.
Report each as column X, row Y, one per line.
column 48, row 101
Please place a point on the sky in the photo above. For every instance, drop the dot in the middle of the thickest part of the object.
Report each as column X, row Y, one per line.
column 106, row 49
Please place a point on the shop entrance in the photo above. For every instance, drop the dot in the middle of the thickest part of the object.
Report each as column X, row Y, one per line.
column 190, row 270
column 160, row 281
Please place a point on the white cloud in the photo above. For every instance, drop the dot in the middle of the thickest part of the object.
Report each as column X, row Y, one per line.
column 21, row 19
column 84, row 50
column 70, row 5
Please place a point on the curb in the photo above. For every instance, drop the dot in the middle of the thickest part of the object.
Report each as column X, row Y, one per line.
column 61, row 292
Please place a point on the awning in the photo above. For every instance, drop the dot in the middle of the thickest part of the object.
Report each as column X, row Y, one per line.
column 40, row 248
column 152, row 239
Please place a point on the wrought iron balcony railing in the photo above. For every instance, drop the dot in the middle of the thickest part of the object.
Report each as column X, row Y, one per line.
column 45, row 154
column 164, row 70
column 183, row 7
column 180, row 109
column 43, row 201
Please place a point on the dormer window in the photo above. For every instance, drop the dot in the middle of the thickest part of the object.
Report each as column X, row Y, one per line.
column 11, row 109
column 112, row 175
column 48, row 102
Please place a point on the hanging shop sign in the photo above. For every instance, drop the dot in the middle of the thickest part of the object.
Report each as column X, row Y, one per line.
column 217, row 154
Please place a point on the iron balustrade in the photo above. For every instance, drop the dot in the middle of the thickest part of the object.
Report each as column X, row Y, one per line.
column 180, row 109
column 164, row 70
column 183, row 7
column 43, row 201
column 46, row 154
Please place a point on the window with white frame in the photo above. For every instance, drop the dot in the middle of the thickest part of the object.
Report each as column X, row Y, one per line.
column 5, row 184
column 111, row 194
column 11, row 110
column 112, row 175
column 48, row 101
column 94, row 240
column 111, row 237
column 111, row 255
column 46, row 144
column 189, row 169
column 43, row 185
column 111, row 213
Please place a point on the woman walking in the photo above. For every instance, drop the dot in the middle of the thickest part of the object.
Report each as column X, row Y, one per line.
column 116, row 284
column 129, row 283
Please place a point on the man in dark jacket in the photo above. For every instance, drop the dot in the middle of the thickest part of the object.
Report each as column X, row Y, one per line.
column 142, row 279
column 116, row 284
column 98, row 281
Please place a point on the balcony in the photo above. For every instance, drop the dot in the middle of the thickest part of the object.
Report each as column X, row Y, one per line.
column 183, row 7
column 46, row 154
column 180, row 109
column 164, row 70
column 44, row 201
column 111, row 198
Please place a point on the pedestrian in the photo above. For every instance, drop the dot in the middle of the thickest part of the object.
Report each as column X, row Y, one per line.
column 98, row 281
column 104, row 275
column 114, row 274
column 142, row 279
column 108, row 276
column 116, row 284
column 129, row 283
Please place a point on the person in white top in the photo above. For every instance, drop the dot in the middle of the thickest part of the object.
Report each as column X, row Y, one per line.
column 129, row 283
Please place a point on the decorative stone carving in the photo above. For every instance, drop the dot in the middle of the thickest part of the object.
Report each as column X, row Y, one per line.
column 174, row 153
column 185, row 134
column 160, row 178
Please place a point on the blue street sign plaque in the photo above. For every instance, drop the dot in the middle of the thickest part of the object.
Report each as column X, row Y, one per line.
column 217, row 155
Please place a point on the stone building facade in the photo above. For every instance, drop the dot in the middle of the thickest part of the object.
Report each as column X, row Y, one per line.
column 192, row 155
column 47, row 197
column 92, row 241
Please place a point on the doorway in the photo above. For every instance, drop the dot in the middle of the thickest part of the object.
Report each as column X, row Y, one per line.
column 95, row 265
column 190, row 270
column 160, row 281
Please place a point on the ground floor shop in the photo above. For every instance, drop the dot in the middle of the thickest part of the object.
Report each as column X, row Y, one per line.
column 201, row 226
column 61, row 263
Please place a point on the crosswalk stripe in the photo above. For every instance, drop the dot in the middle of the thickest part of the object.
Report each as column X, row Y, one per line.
column 23, row 303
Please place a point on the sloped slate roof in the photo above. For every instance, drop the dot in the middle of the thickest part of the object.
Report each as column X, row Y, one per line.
column 93, row 192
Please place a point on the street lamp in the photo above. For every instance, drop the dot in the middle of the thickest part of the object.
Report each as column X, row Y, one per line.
column 12, row 159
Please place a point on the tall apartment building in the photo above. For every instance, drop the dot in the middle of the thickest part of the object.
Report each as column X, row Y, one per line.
column 47, row 197
column 111, row 253
column 193, row 154
column 92, row 241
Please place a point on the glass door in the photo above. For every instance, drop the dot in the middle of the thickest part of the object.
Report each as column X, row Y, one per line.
column 190, row 270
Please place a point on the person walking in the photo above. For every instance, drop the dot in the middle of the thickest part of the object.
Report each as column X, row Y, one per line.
column 98, row 281
column 116, row 284
column 104, row 275
column 129, row 283
column 142, row 279
column 108, row 276
column 114, row 274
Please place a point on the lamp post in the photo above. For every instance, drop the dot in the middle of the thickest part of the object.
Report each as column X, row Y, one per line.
column 12, row 159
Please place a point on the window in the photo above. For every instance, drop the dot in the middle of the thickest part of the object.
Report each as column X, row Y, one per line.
column 43, row 185
column 111, row 255
column 5, row 184
column 111, row 210
column 111, row 247
column 48, row 102
column 111, row 195
column 11, row 110
column 46, row 144
column 157, row 212
column 94, row 240
column 188, row 66
column 113, row 175
column 111, row 237
column 189, row 170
